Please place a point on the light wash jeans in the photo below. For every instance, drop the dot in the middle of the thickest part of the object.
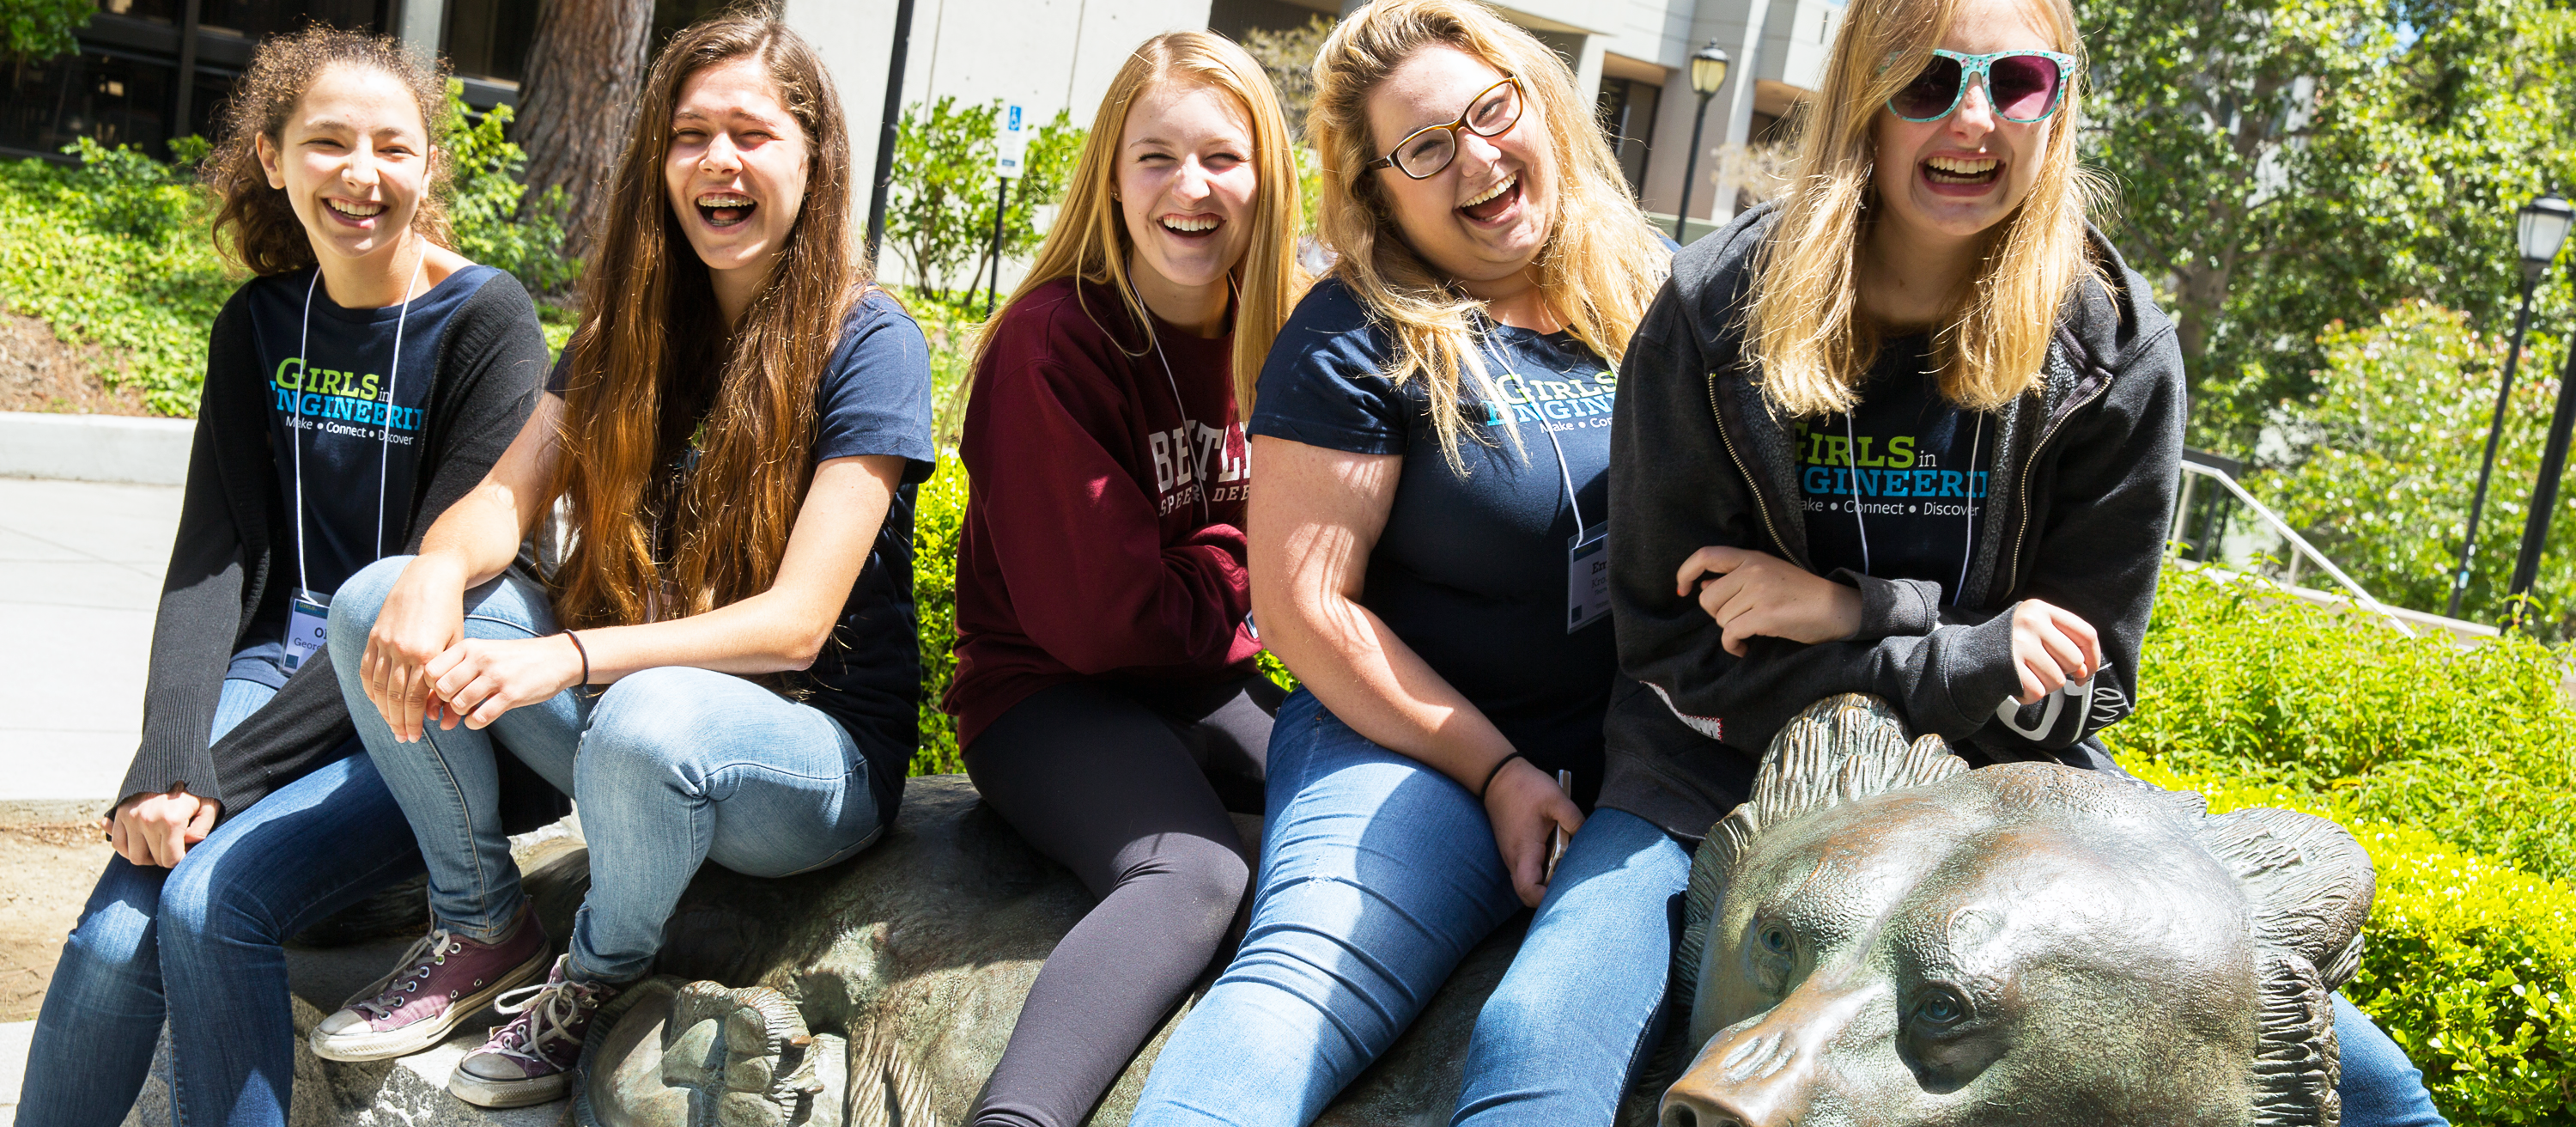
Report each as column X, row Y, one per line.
column 1378, row 874
column 670, row 767
column 200, row 945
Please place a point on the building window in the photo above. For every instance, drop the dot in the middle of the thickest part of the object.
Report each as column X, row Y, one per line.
column 488, row 39
column 117, row 100
column 1627, row 112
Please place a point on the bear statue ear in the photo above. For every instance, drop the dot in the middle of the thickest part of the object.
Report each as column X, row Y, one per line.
column 1841, row 749
column 2310, row 886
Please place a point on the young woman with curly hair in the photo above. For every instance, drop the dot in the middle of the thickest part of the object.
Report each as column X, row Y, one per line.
column 735, row 429
column 361, row 383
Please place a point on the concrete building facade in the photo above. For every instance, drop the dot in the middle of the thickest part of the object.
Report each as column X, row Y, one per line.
column 148, row 70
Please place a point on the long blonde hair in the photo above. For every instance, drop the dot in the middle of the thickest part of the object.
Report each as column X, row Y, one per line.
column 1602, row 263
column 1089, row 242
column 1804, row 327
column 653, row 359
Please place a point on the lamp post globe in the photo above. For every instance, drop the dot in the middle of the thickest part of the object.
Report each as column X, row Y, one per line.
column 2539, row 229
column 1707, row 73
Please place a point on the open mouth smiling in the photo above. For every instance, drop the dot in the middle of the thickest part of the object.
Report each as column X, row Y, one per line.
column 353, row 210
column 1962, row 170
column 1494, row 202
column 725, row 209
column 1191, row 228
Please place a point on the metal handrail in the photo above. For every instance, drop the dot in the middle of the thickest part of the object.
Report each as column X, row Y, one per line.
column 2298, row 543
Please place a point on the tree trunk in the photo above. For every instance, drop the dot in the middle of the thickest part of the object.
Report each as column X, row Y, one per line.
column 585, row 73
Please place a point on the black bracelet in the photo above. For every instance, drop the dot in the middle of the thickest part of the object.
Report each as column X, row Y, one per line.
column 1496, row 773
column 584, row 651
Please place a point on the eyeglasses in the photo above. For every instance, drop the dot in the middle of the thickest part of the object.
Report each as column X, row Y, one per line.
column 2025, row 86
column 1425, row 151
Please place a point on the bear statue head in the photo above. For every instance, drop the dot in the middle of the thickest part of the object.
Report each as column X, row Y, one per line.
column 1881, row 936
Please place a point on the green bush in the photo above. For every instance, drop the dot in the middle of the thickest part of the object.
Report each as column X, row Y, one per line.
column 110, row 254
column 484, row 197
column 941, row 215
column 2470, row 965
column 938, row 517
column 2476, row 746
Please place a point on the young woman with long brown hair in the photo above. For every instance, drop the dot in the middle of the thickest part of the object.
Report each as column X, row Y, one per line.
column 1105, row 691
column 1912, row 432
column 735, row 426
column 1432, row 437
column 361, row 383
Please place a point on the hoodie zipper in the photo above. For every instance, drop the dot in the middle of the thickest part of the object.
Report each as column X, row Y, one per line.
column 2021, row 528
column 1750, row 485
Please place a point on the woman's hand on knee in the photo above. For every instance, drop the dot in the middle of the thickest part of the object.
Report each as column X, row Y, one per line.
column 1753, row 594
column 423, row 617
column 478, row 679
column 1524, row 806
column 2052, row 647
column 157, row 829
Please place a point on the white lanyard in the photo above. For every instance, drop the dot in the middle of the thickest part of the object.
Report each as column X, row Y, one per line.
column 1587, row 561
column 295, row 436
column 1189, row 433
column 1493, row 393
column 1968, row 542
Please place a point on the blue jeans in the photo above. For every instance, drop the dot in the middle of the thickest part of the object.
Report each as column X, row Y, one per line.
column 670, row 767
column 208, row 935
column 1378, row 874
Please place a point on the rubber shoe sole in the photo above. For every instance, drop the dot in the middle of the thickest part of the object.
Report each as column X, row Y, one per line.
column 421, row 1035
column 507, row 1093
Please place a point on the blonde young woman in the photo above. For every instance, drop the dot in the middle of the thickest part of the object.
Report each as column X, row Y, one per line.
column 1911, row 432
column 1105, row 691
column 1432, row 431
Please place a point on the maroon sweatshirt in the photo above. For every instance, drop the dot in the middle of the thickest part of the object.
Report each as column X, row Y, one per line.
column 1104, row 531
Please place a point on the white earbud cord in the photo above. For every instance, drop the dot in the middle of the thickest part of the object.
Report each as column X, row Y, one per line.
column 1968, row 536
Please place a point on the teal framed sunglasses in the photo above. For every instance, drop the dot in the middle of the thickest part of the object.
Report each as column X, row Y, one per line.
column 2025, row 86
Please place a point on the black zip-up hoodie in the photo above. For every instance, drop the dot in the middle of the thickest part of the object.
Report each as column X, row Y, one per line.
column 2082, row 491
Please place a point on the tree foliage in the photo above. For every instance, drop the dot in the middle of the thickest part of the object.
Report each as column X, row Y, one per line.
column 36, row 30
column 1288, row 57
column 2382, row 459
column 495, row 221
column 2284, row 164
column 940, row 217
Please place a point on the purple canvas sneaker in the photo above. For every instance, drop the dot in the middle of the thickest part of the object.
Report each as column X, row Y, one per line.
column 442, row 980
column 530, row 1060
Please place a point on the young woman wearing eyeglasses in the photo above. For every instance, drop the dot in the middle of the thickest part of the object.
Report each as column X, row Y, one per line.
column 1912, row 431
column 1432, row 428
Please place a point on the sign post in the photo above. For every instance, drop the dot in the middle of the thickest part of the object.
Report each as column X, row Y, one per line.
column 1010, row 162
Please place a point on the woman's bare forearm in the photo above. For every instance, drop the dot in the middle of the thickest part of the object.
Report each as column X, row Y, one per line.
column 1375, row 683
column 477, row 537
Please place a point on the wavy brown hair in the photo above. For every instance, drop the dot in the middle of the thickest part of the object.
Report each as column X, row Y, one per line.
column 1602, row 263
column 1805, row 326
column 656, row 378
column 254, row 224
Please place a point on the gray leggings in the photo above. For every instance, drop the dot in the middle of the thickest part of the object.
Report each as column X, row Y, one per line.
column 1129, row 788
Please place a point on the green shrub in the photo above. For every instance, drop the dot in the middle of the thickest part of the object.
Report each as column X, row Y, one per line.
column 2470, row 965
column 941, row 215
column 2476, row 746
column 484, row 197
column 938, row 517
column 110, row 254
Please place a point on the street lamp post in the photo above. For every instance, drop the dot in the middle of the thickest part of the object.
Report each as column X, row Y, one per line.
column 2539, row 229
column 1708, row 72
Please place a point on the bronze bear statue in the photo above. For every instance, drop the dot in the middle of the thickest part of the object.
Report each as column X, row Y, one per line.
column 1886, row 937
column 1877, row 936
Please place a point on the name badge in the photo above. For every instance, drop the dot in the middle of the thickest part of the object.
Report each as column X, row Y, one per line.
column 308, row 625
column 1587, row 580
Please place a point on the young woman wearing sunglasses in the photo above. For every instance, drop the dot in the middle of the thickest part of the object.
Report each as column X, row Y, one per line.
column 1432, row 431
column 1912, row 432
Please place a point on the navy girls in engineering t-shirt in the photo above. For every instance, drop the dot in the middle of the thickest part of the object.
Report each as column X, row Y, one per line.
column 873, row 398
column 1472, row 569
column 1897, row 488
column 344, row 419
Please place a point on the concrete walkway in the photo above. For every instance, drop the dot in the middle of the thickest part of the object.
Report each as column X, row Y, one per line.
column 80, row 570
